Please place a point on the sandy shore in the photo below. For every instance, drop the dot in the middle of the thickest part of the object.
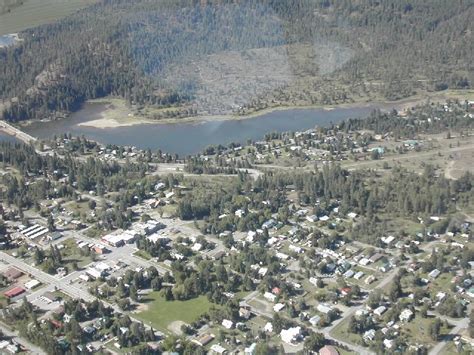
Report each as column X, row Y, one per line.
column 113, row 123
column 126, row 121
column 115, row 117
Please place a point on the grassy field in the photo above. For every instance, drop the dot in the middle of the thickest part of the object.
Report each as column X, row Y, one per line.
column 71, row 254
column 344, row 351
column 38, row 12
column 3, row 301
column 142, row 254
column 341, row 332
column 417, row 331
column 450, row 349
column 161, row 313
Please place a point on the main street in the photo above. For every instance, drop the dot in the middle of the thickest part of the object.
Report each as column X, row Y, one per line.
column 52, row 283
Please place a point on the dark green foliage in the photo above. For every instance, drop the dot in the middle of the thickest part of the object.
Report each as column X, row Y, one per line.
column 125, row 49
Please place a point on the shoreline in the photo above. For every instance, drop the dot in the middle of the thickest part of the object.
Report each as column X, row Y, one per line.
column 127, row 119
column 107, row 122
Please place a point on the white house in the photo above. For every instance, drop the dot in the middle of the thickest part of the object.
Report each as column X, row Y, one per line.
column 406, row 315
column 240, row 213
column 269, row 296
column 380, row 310
column 323, row 308
column 262, row 271
column 434, row 273
column 313, row 281
column 218, row 349
column 388, row 343
column 291, row 335
column 314, row 321
column 268, row 328
column 251, row 349
column 227, row 324
column 369, row 335
column 278, row 307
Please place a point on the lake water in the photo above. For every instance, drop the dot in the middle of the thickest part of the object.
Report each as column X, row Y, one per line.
column 8, row 138
column 7, row 40
column 191, row 138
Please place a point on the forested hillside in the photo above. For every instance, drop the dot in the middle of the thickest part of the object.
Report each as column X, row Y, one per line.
column 214, row 57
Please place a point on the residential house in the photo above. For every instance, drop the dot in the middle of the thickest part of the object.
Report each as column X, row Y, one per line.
column 380, row 310
column 328, row 350
column 291, row 335
column 434, row 273
column 227, row 324
column 406, row 315
column 324, row 308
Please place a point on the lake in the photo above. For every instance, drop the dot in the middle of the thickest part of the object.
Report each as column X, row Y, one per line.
column 192, row 138
column 7, row 40
column 7, row 138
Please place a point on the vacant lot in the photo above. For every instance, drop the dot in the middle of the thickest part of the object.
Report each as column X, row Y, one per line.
column 38, row 12
column 417, row 331
column 341, row 332
column 161, row 313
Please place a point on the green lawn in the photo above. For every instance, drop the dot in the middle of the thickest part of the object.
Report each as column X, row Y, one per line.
column 62, row 295
column 142, row 254
column 417, row 330
column 450, row 349
column 71, row 254
column 3, row 301
column 441, row 283
column 341, row 332
column 344, row 351
column 38, row 12
column 161, row 313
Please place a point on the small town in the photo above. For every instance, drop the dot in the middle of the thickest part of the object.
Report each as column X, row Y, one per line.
column 351, row 239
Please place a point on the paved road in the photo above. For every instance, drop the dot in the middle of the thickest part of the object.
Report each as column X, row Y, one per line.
column 350, row 312
column 124, row 253
column 459, row 324
column 13, row 131
column 327, row 331
column 438, row 348
column 33, row 349
column 51, row 282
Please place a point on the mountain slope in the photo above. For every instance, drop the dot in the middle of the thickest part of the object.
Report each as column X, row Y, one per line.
column 215, row 57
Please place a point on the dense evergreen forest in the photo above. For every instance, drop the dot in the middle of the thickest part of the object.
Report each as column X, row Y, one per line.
column 186, row 53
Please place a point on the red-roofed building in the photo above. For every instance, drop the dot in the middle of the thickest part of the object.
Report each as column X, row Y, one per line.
column 276, row 290
column 345, row 291
column 15, row 291
column 57, row 324
column 328, row 350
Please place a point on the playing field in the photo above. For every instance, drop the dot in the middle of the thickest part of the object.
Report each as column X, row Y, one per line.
column 38, row 12
column 161, row 313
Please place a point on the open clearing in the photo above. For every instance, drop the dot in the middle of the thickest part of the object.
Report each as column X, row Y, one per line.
column 161, row 313
column 39, row 12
